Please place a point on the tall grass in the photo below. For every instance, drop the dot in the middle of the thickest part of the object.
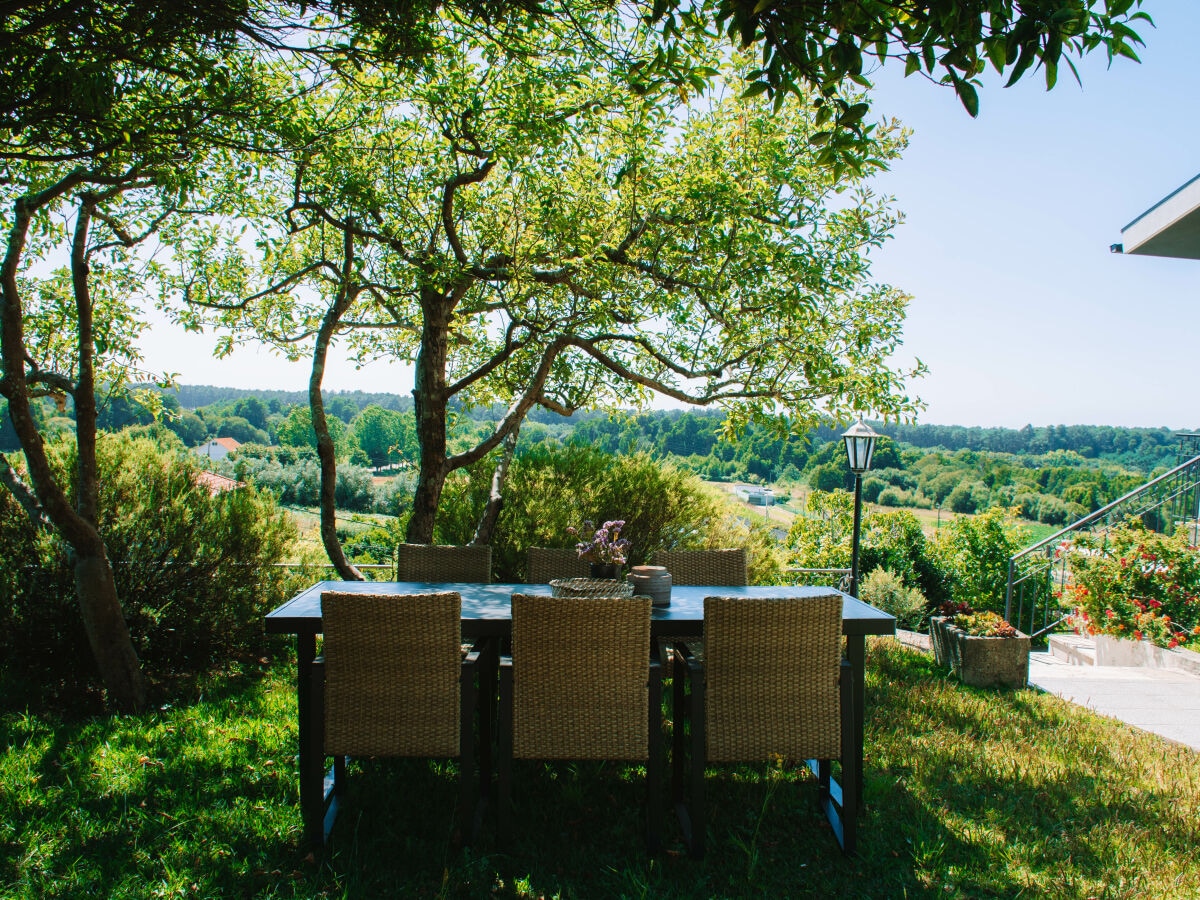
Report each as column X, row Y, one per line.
column 970, row 793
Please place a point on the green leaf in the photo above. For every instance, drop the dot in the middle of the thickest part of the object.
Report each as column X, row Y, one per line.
column 912, row 63
column 755, row 89
column 968, row 96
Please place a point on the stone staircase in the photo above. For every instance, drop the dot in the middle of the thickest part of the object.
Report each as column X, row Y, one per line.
column 1076, row 649
column 1106, row 652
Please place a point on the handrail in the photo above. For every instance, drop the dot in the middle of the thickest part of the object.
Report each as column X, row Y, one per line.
column 1039, row 573
column 1105, row 510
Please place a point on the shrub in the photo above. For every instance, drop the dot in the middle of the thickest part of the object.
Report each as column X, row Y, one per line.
column 886, row 590
column 551, row 487
column 973, row 553
column 194, row 571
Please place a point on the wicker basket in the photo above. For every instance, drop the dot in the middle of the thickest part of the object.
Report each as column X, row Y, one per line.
column 590, row 587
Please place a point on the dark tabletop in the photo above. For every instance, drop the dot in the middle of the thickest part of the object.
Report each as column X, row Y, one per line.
column 486, row 608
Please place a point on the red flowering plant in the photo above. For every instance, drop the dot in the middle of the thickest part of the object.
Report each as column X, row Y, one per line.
column 1137, row 584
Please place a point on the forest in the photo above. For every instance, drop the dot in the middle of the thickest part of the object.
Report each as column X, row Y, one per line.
column 1049, row 474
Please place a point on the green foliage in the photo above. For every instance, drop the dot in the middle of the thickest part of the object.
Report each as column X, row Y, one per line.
column 385, row 436
column 189, row 427
column 973, row 552
column 895, row 541
column 951, row 41
column 194, row 571
column 1136, row 583
column 295, row 478
column 241, row 430
column 297, row 429
column 551, row 488
column 886, row 590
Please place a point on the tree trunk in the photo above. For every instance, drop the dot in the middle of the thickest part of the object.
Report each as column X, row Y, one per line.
column 326, row 452
column 107, row 632
column 429, row 406
column 103, row 619
column 491, row 511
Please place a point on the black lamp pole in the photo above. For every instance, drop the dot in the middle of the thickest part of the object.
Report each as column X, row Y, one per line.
column 860, row 445
column 857, row 526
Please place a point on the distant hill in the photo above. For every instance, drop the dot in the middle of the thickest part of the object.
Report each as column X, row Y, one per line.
column 192, row 396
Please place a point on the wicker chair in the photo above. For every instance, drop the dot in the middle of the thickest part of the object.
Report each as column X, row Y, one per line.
column 543, row 564
column 392, row 681
column 717, row 567
column 752, row 702
column 708, row 567
column 442, row 562
column 612, row 713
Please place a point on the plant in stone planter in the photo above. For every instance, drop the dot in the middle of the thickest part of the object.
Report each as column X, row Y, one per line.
column 987, row 651
column 984, row 624
column 941, row 625
column 981, row 648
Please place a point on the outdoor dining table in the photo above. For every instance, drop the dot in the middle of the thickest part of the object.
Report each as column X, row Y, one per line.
column 487, row 613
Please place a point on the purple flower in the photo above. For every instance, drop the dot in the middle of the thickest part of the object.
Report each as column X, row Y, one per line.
column 606, row 545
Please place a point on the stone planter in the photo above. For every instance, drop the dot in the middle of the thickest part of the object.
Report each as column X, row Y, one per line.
column 940, row 630
column 980, row 661
column 990, row 661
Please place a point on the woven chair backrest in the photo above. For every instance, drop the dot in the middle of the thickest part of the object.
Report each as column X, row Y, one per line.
column 543, row 564
column 771, row 677
column 443, row 562
column 719, row 567
column 392, row 673
column 580, row 675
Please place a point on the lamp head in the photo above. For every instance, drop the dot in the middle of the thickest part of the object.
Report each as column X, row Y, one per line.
column 860, row 445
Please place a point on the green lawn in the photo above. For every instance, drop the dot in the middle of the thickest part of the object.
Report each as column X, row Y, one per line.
column 971, row 793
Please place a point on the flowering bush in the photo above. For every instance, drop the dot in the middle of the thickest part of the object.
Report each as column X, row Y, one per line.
column 1137, row 584
column 606, row 545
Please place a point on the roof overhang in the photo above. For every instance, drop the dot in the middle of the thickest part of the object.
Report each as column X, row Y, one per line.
column 1171, row 227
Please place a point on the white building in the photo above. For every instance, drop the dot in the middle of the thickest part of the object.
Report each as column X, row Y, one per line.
column 218, row 448
column 754, row 495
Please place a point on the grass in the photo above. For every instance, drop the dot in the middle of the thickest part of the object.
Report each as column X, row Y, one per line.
column 970, row 793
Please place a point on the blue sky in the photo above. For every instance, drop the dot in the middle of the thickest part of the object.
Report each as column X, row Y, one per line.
column 1019, row 309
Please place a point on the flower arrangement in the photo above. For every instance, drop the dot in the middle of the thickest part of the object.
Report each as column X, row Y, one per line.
column 605, row 547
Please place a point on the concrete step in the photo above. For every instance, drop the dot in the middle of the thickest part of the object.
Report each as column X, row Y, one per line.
column 1076, row 649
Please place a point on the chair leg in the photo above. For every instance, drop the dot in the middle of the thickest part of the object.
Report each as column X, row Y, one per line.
column 654, row 759
column 504, row 798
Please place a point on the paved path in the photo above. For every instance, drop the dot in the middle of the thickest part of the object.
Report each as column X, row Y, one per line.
column 1164, row 701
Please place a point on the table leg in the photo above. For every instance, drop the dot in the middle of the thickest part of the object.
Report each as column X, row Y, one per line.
column 856, row 654
column 312, row 799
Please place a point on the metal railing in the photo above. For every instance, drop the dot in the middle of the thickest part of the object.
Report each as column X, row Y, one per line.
column 1038, row 574
column 836, row 578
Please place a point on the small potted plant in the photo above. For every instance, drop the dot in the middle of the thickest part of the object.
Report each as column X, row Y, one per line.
column 605, row 551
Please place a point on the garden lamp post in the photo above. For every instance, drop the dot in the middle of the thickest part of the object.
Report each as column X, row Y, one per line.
column 860, row 445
